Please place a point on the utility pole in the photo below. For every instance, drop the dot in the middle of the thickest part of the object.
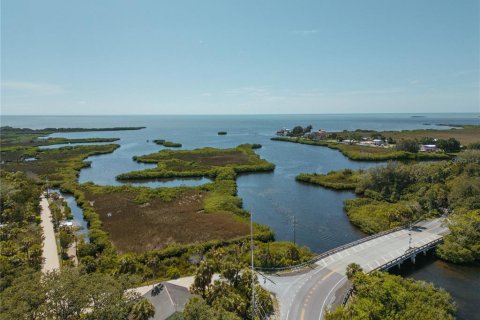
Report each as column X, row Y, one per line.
column 410, row 237
column 253, row 269
column 46, row 184
column 294, row 223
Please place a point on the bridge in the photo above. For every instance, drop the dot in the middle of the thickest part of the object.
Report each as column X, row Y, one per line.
column 306, row 291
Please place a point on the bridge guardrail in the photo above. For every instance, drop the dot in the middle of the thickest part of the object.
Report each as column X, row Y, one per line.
column 393, row 262
column 332, row 251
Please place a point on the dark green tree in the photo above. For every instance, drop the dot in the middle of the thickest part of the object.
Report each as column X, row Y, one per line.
column 449, row 145
column 142, row 310
column 352, row 270
column 407, row 145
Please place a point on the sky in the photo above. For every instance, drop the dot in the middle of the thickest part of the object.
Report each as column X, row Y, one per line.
column 239, row 57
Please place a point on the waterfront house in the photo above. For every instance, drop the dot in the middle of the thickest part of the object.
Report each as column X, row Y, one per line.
column 318, row 135
column 283, row 132
column 428, row 148
column 168, row 299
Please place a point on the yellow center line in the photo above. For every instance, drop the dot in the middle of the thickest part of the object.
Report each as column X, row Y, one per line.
column 328, row 275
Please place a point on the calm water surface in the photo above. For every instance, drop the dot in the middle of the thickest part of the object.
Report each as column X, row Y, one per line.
column 273, row 198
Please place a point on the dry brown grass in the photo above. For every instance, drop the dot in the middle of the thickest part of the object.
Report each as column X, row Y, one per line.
column 217, row 158
column 138, row 228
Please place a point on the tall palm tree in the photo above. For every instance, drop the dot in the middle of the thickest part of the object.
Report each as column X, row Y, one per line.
column 142, row 310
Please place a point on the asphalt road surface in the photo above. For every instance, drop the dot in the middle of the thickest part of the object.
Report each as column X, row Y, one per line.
column 306, row 296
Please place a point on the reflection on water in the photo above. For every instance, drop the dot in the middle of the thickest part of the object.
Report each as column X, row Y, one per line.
column 461, row 281
column 77, row 213
column 61, row 145
column 168, row 183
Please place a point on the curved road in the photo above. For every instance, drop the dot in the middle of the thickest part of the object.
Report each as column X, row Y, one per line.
column 307, row 295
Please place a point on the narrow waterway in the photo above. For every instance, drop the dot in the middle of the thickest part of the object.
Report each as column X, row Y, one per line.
column 77, row 213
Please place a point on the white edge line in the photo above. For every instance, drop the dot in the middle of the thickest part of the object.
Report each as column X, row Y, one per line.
column 328, row 295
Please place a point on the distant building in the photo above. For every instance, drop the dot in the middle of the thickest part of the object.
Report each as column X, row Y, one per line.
column 283, row 132
column 67, row 224
column 318, row 135
column 428, row 148
column 377, row 142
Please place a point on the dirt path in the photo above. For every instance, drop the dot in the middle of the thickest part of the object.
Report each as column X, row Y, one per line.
column 49, row 243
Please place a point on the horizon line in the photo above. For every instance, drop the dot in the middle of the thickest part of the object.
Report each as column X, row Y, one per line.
column 223, row 114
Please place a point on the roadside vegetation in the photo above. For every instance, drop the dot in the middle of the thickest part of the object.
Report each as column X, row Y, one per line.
column 230, row 296
column 396, row 194
column 20, row 231
column 65, row 234
column 380, row 295
column 73, row 294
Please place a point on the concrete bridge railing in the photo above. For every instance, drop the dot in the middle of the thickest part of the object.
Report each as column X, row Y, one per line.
column 330, row 252
column 409, row 254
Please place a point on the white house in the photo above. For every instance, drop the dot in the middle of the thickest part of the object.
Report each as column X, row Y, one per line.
column 428, row 148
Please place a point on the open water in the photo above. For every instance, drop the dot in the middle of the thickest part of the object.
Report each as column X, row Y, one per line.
column 273, row 198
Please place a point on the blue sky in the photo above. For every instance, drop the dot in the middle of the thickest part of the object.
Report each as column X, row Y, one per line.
column 239, row 57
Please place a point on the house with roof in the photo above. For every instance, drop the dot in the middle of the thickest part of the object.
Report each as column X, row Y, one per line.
column 428, row 148
column 168, row 299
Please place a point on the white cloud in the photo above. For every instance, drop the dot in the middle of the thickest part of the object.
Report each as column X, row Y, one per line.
column 206, row 94
column 370, row 92
column 32, row 88
column 248, row 91
column 307, row 32
column 465, row 72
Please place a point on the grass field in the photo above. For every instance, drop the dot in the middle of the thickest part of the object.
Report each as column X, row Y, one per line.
column 153, row 225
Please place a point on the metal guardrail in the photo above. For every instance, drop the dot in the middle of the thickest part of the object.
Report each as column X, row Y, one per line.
column 330, row 252
column 396, row 261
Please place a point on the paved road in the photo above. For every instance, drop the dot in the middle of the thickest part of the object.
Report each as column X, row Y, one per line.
column 308, row 295
column 50, row 253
